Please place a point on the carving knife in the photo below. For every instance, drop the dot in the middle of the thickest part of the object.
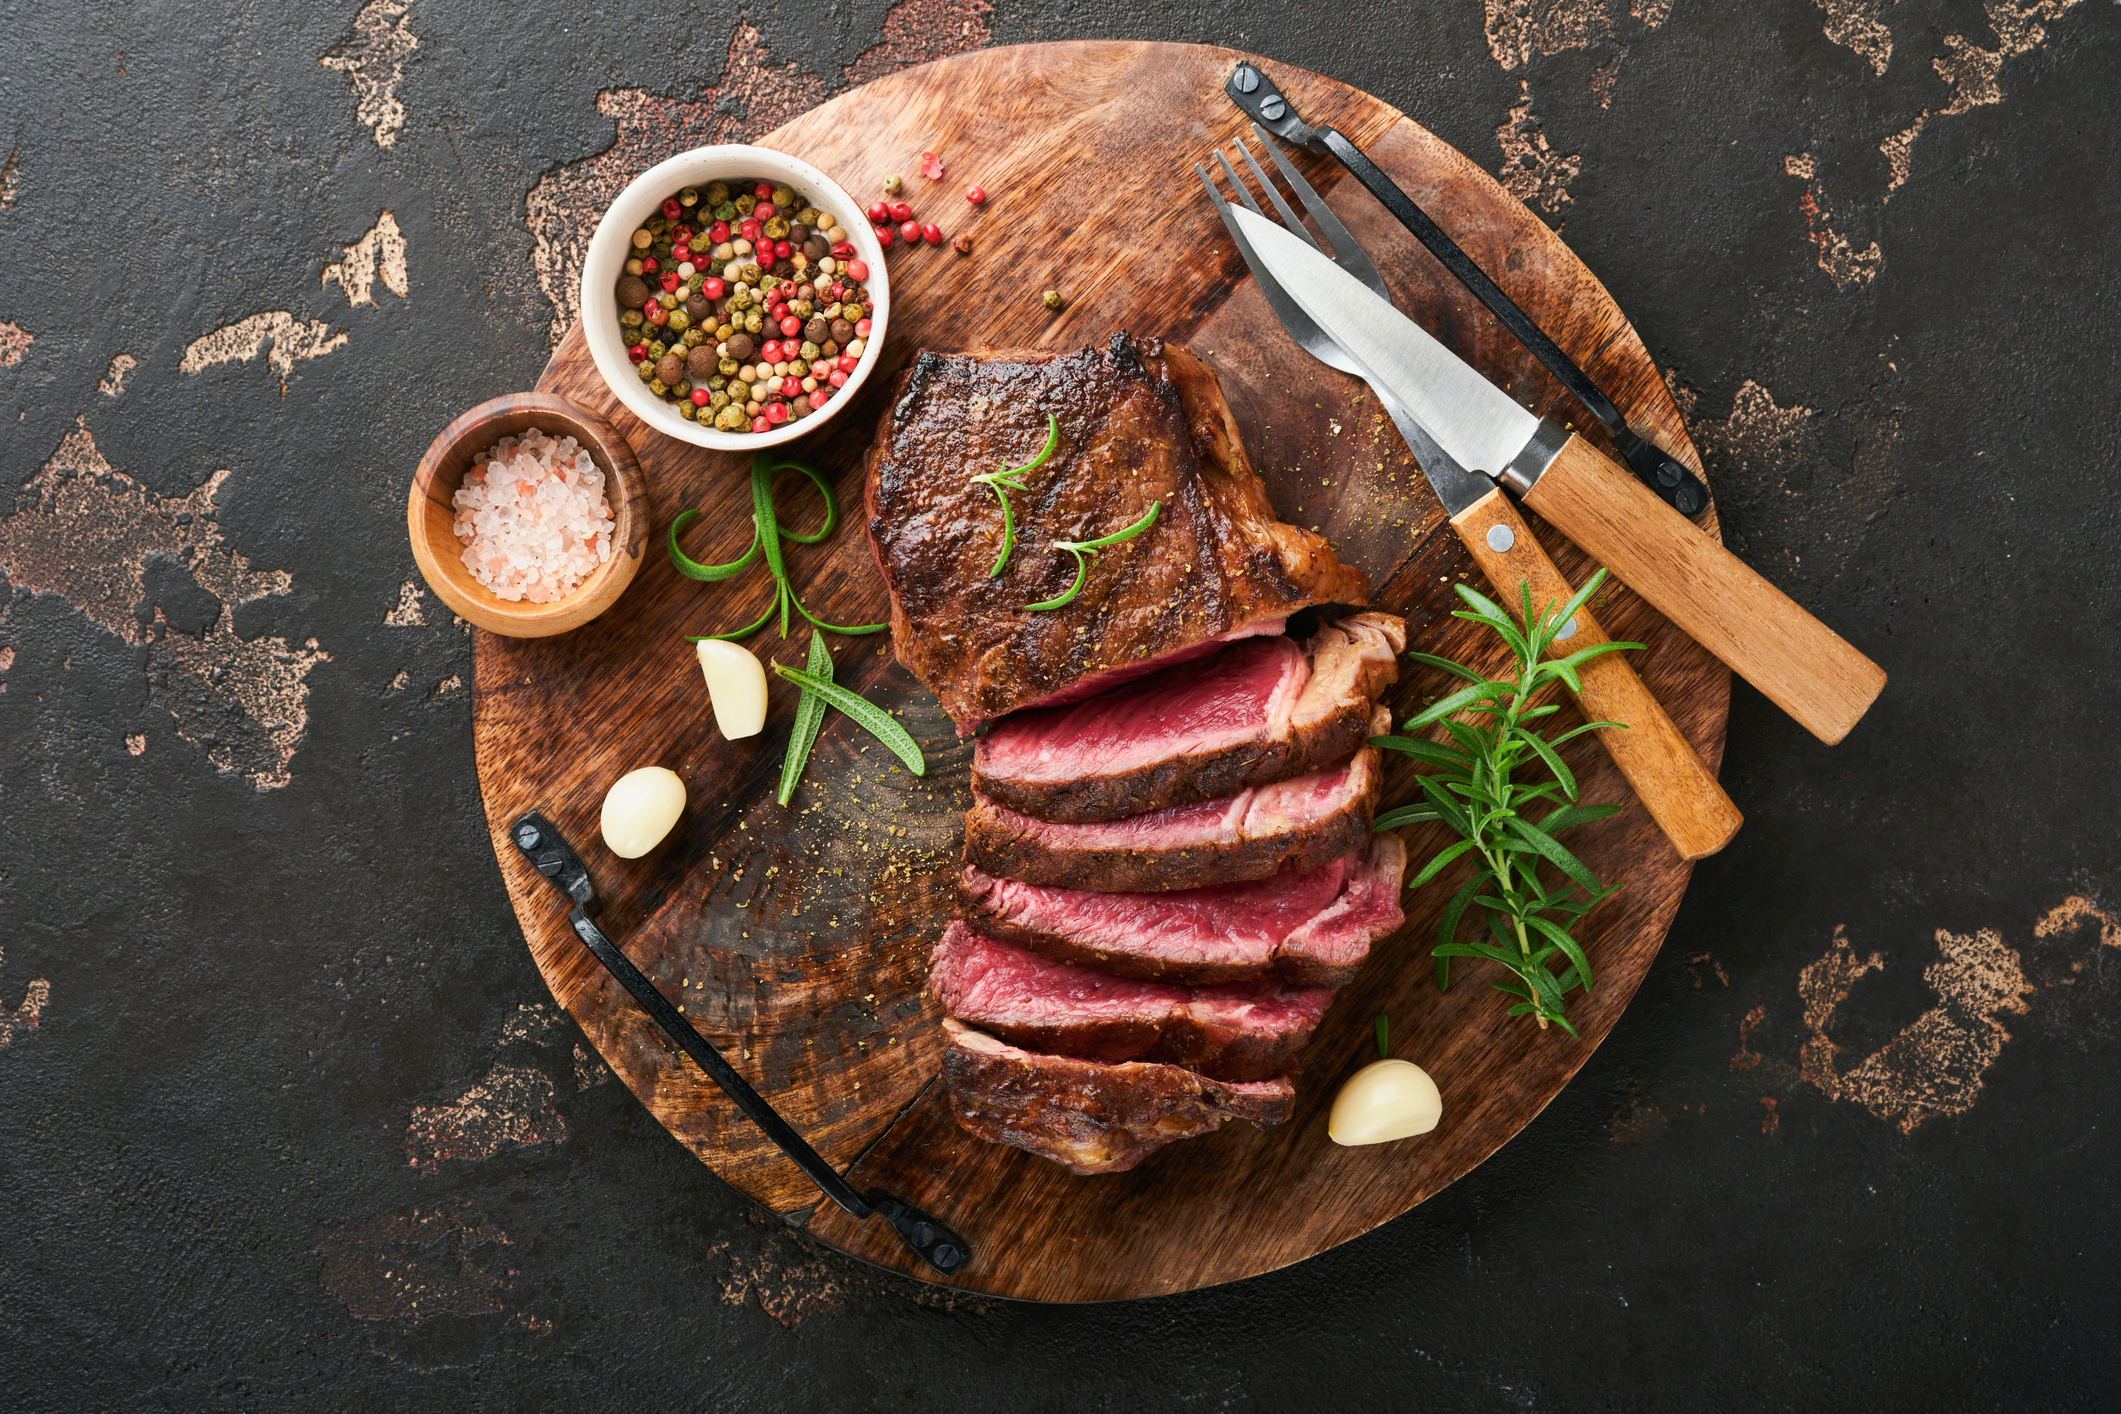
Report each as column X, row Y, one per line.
column 1682, row 795
column 1800, row 664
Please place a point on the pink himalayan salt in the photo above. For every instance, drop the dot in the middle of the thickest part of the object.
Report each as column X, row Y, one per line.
column 533, row 517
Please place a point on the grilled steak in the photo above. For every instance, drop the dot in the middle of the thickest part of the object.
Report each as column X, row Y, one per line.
column 1236, row 1031
column 1089, row 1116
column 1310, row 929
column 1303, row 822
column 1258, row 711
column 1140, row 422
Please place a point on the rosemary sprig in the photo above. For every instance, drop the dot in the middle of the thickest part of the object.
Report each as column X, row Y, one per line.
column 867, row 715
column 766, row 537
column 1474, row 789
column 996, row 481
column 1086, row 550
column 809, row 717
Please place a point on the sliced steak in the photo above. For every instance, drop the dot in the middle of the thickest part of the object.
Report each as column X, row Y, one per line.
column 1235, row 1031
column 1256, row 712
column 1140, row 422
column 1312, row 929
column 1303, row 823
column 1089, row 1116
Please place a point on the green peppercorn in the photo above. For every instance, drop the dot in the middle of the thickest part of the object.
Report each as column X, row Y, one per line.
column 894, row 184
column 717, row 193
column 725, row 211
column 776, row 229
column 810, row 351
column 682, row 388
column 718, row 400
column 668, row 299
column 810, row 216
column 1053, row 300
column 729, row 366
column 690, row 196
column 754, row 322
column 680, row 321
column 695, row 336
column 657, row 348
column 745, row 203
column 784, row 196
column 658, row 387
column 718, row 382
column 686, row 410
column 630, row 318
column 730, row 419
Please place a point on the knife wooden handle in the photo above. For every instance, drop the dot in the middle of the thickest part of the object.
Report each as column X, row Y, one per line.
column 1682, row 795
column 1803, row 666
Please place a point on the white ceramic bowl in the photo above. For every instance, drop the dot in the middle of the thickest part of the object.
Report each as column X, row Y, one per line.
column 613, row 243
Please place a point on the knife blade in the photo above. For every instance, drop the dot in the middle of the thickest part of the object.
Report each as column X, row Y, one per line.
column 1797, row 662
column 1682, row 795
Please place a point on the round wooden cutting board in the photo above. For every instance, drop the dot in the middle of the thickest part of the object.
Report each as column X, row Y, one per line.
column 797, row 937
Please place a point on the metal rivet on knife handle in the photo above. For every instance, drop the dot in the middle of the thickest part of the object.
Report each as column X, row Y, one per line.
column 1802, row 666
column 1681, row 794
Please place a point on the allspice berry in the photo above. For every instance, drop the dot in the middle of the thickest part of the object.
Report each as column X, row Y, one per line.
column 741, row 347
column 818, row 329
column 633, row 292
column 701, row 363
column 842, row 332
column 670, row 369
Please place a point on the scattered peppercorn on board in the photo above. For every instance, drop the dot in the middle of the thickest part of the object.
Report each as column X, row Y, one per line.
column 797, row 936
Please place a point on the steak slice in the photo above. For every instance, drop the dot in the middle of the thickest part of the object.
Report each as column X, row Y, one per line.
column 1310, row 929
column 1304, row 822
column 1258, row 711
column 1140, row 422
column 1088, row 1116
column 1235, row 1031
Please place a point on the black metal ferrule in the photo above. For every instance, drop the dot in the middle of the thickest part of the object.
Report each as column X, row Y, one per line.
column 543, row 845
column 1257, row 95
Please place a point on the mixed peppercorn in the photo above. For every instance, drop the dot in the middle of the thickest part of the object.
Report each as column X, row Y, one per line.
column 743, row 305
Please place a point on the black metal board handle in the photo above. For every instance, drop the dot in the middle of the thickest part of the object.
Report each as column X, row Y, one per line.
column 1257, row 95
column 542, row 844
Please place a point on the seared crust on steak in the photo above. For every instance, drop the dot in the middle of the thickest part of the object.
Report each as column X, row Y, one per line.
column 1302, row 823
column 1088, row 1116
column 1140, row 422
column 1258, row 711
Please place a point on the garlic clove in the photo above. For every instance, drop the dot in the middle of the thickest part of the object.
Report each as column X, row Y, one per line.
column 1385, row 1100
column 639, row 810
column 736, row 685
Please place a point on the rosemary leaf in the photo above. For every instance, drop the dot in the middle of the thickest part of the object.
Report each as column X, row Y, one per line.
column 867, row 715
column 809, row 717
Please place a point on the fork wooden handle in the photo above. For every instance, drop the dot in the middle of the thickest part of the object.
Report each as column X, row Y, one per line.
column 1802, row 666
column 1681, row 794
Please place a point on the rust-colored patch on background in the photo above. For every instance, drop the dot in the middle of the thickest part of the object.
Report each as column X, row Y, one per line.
column 511, row 1105
column 1707, row 959
column 289, row 338
column 921, row 31
column 2078, row 909
column 1842, row 262
column 14, row 343
column 1857, row 25
column 790, row 1278
column 9, row 179
column 1824, row 986
column 1935, row 1066
column 408, row 1268
column 1531, row 170
column 407, row 614
column 1516, row 29
column 114, row 379
column 1899, row 155
column 1770, row 1121
column 380, row 253
column 1747, row 1058
column 17, row 1025
column 372, row 57
column 136, row 744
column 88, row 533
column 1639, row 1125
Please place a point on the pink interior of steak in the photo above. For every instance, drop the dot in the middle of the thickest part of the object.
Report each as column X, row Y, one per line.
column 1329, row 916
column 1247, row 691
column 989, row 982
column 1114, row 677
column 1250, row 814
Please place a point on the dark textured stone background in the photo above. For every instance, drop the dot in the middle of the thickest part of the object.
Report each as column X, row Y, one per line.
column 287, row 1117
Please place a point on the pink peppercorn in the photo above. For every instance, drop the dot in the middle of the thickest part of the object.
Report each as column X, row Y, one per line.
column 932, row 233
column 791, row 326
column 820, row 398
column 713, row 288
column 700, row 397
column 760, row 424
column 671, row 282
column 764, row 211
column 784, row 249
column 901, row 211
column 649, row 265
column 791, row 386
column 671, row 209
column 776, row 414
column 879, row 212
column 975, row 195
column 749, row 231
column 837, row 378
column 719, row 232
column 884, row 236
column 842, row 249
column 763, row 191
column 861, row 327
column 858, row 269
column 637, row 352
column 848, row 363
column 910, row 232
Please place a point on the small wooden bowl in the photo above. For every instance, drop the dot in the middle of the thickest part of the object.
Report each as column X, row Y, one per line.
column 430, row 517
